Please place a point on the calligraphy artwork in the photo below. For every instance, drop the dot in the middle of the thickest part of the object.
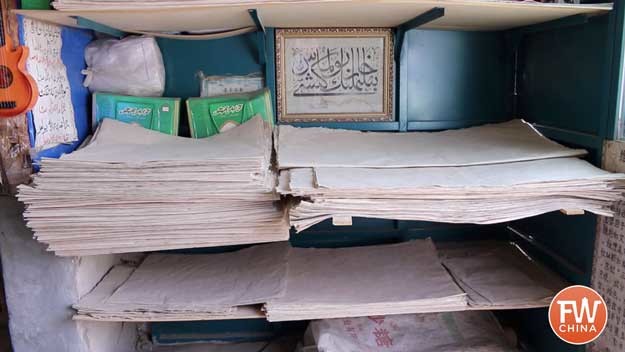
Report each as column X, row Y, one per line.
column 334, row 74
column 53, row 114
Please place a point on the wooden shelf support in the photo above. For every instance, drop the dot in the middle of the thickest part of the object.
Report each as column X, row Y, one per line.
column 400, row 33
column 260, row 36
column 99, row 27
column 426, row 17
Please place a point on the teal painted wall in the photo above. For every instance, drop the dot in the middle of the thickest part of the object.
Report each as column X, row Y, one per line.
column 564, row 85
column 457, row 79
column 185, row 59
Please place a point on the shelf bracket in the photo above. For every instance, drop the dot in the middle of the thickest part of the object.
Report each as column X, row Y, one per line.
column 260, row 36
column 426, row 17
column 99, row 27
column 400, row 32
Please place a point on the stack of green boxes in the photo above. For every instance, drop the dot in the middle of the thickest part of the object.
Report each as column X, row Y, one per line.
column 207, row 116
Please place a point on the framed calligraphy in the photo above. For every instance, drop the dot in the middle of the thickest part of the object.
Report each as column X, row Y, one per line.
column 334, row 74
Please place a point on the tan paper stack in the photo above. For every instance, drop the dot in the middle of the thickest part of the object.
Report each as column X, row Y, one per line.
column 185, row 287
column 362, row 281
column 309, row 283
column 73, row 5
column 488, row 174
column 498, row 275
column 131, row 189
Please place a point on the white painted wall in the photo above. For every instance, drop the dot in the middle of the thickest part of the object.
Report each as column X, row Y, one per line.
column 40, row 289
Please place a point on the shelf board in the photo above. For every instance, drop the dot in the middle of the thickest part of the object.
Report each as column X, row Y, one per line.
column 472, row 15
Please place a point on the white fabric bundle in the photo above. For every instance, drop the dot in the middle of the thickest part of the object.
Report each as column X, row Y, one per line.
column 437, row 332
column 130, row 66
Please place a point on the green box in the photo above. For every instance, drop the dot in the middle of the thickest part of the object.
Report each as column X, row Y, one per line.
column 158, row 114
column 212, row 115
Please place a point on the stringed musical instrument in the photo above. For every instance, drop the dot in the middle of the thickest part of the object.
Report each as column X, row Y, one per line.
column 18, row 90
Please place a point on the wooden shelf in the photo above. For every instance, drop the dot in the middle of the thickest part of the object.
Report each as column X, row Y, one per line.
column 472, row 15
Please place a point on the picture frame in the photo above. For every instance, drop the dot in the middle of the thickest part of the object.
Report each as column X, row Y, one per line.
column 334, row 74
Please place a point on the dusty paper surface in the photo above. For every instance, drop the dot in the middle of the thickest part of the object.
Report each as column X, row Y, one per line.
column 53, row 114
column 119, row 142
column 248, row 276
column 348, row 275
column 361, row 281
column 496, row 275
column 508, row 174
column 489, row 144
column 95, row 307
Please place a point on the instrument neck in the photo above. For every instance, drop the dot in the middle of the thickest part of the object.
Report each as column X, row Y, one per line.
column 5, row 38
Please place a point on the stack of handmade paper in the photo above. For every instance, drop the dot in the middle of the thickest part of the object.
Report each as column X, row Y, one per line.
column 361, row 281
column 179, row 287
column 131, row 189
column 321, row 283
column 72, row 5
column 498, row 275
column 488, row 174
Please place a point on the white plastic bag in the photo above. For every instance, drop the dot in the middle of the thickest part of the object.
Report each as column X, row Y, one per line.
column 130, row 66
column 469, row 331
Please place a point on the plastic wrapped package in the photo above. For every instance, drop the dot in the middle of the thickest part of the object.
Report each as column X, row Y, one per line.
column 468, row 331
column 130, row 66
column 213, row 86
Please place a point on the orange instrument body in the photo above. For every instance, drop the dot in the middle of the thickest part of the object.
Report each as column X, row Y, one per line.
column 18, row 90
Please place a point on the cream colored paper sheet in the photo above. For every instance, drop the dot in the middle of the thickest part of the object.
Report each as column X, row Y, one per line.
column 498, row 275
column 358, row 281
column 489, row 144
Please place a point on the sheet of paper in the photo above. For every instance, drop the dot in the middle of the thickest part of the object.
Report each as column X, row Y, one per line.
column 360, row 281
column 248, row 276
column 53, row 113
column 497, row 275
column 94, row 306
column 488, row 144
column 498, row 175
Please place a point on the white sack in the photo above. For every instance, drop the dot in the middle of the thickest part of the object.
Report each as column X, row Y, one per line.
column 130, row 66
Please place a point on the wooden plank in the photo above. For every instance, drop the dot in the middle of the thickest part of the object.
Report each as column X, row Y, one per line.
column 465, row 15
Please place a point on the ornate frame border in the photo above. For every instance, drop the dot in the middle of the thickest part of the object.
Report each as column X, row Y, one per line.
column 388, row 85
